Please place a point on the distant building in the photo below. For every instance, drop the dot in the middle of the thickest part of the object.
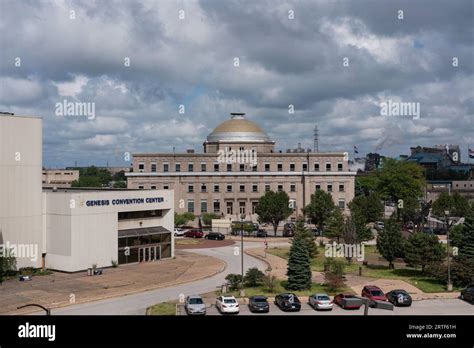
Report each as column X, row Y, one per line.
column 59, row 177
column 373, row 161
column 435, row 187
column 437, row 157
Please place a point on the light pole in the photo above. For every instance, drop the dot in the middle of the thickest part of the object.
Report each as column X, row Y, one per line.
column 446, row 214
column 242, row 219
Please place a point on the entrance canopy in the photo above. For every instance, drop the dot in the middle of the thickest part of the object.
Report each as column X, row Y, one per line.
column 146, row 231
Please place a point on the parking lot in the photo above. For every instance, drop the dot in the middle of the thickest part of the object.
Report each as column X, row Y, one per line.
column 425, row 307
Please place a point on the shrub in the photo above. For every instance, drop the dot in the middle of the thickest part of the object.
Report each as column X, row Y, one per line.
column 334, row 274
column 253, row 277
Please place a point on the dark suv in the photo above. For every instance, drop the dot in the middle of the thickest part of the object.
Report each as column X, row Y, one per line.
column 259, row 304
column 215, row 236
column 288, row 302
column 373, row 293
column 194, row 234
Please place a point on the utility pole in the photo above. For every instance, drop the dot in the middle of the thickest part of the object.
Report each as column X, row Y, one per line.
column 316, row 139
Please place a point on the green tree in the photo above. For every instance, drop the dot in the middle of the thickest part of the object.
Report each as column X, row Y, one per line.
column 299, row 266
column 411, row 208
column 365, row 184
column 400, row 180
column 390, row 242
column 466, row 242
column 93, row 177
column 422, row 249
column 7, row 261
column 335, row 225
column 273, row 207
column 208, row 217
column 334, row 273
column 253, row 277
column 301, row 232
column 120, row 184
column 320, row 207
column 183, row 219
column 456, row 204
column 234, row 280
column 369, row 207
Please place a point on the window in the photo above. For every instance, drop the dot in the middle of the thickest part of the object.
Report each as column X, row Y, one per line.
column 153, row 167
column 267, row 187
column 317, row 187
column 316, row 167
column 166, row 187
column 328, row 167
column 292, row 167
column 216, row 188
column 190, row 206
column 153, row 187
column 242, row 188
column 254, row 188
column 216, row 167
column 203, row 167
column 280, row 167
column 242, row 167
column 341, row 187
column 165, row 167
column 203, row 206
column 305, row 167
column 203, row 187
column 140, row 187
column 241, row 148
column 177, row 167
column 229, row 187
column 342, row 204
column 280, row 187
column 242, row 207
column 230, row 208
column 141, row 167
column 190, row 188
column 229, row 167
column 329, row 187
column 254, row 167
column 190, row 167
column 267, row 167
column 254, row 207
column 339, row 167
column 292, row 187
column 217, row 206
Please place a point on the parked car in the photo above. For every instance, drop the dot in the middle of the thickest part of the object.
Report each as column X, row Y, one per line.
column 227, row 304
column 256, row 226
column 194, row 305
column 428, row 230
column 214, row 236
column 288, row 229
column 373, row 293
column 194, row 234
column 379, row 225
column 259, row 304
column 317, row 232
column 320, row 301
column 440, row 230
column 261, row 234
column 178, row 232
column 468, row 294
column 288, row 302
column 399, row 297
column 348, row 301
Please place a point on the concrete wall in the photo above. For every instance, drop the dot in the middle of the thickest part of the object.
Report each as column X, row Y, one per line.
column 20, row 184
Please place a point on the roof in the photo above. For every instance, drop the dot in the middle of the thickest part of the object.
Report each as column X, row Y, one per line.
column 134, row 232
column 238, row 128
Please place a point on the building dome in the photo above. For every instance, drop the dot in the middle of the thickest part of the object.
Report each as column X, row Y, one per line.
column 238, row 128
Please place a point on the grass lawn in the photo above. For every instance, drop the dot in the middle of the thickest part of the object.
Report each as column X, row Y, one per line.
column 410, row 275
column 188, row 241
column 165, row 308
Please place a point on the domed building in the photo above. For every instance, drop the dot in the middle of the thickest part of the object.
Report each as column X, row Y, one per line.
column 238, row 165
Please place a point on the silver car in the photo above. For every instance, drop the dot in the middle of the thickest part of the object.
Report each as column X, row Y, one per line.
column 320, row 301
column 194, row 305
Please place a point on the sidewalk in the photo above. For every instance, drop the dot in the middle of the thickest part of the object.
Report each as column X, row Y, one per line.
column 63, row 289
column 278, row 267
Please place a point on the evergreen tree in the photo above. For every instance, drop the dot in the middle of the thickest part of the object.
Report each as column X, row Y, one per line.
column 390, row 241
column 299, row 266
column 422, row 249
column 301, row 232
column 466, row 241
column 335, row 225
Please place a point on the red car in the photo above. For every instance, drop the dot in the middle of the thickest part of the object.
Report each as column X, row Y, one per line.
column 373, row 293
column 194, row 234
column 348, row 301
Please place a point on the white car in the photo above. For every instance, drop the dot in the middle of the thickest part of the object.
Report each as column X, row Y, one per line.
column 227, row 304
column 320, row 301
column 178, row 232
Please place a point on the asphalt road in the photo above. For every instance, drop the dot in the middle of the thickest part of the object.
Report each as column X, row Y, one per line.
column 136, row 304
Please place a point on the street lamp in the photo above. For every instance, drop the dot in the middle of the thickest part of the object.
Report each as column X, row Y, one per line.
column 242, row 219
column 446, row 214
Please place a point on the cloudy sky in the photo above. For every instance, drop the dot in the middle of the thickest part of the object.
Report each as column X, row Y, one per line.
column 289, row 53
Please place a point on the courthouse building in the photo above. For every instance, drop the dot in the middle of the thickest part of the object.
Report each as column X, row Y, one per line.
column 239, row 164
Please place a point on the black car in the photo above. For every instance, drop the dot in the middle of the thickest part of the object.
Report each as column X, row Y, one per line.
column 288, row 302
column 261, row 234
column 317, row 232
column 215, row 236
column 259, row 304
column 440, row 230
column 289, row 229
column 468, row 294
column 399, row 297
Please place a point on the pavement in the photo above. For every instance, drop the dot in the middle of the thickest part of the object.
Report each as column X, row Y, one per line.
column 63, row 289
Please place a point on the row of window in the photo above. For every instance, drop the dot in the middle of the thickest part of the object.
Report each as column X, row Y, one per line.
column 229, row 206
column 242, row 187
column 242, row 167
